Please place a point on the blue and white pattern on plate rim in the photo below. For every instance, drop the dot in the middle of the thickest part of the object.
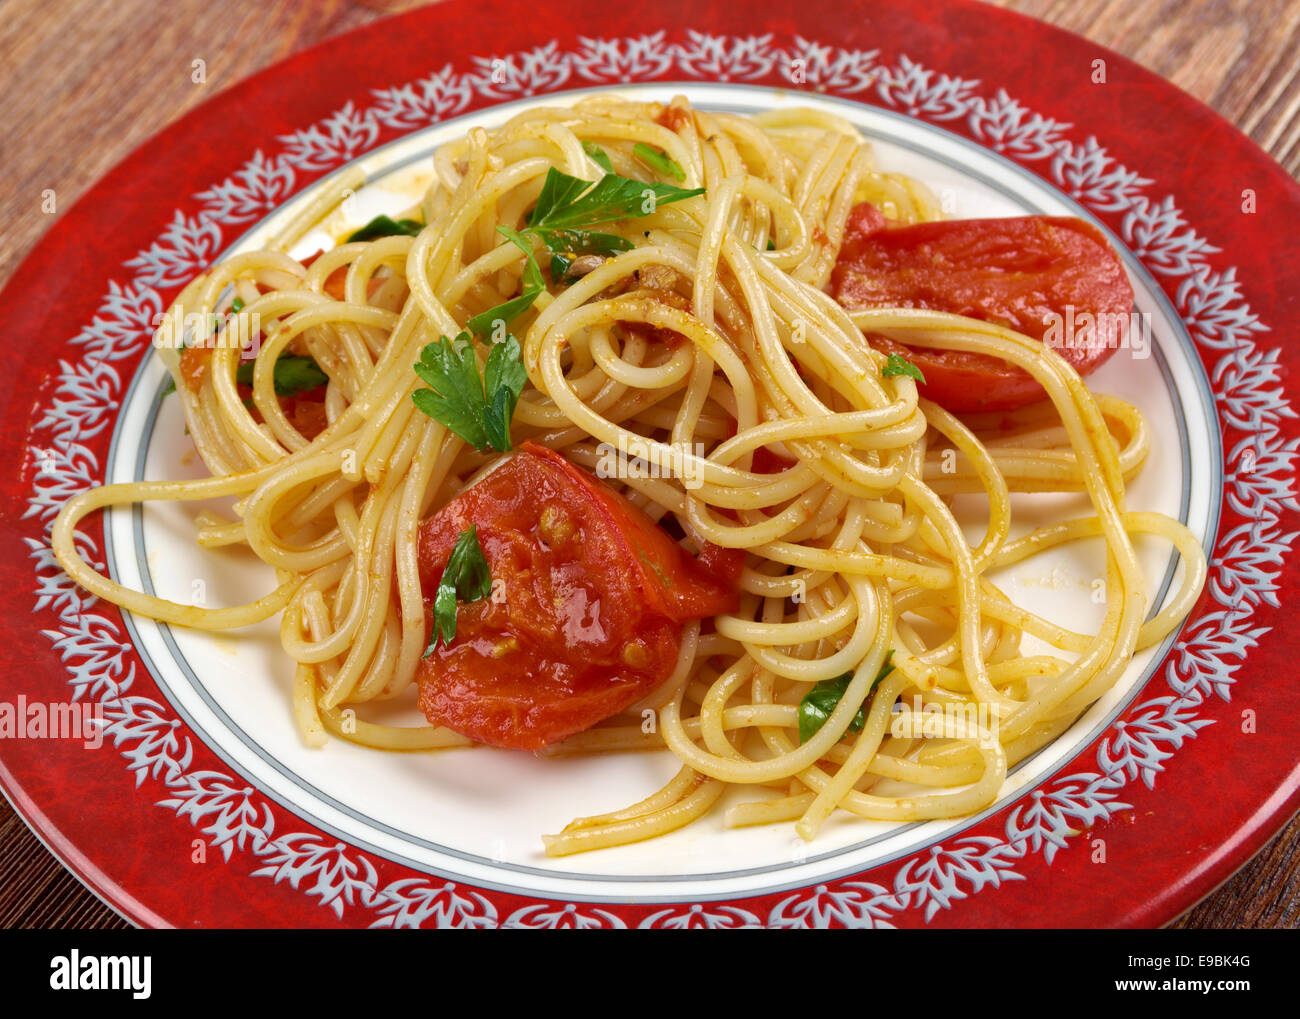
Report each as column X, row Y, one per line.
column 238, row 821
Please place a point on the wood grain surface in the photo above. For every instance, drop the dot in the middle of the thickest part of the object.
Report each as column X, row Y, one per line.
column 66, row 122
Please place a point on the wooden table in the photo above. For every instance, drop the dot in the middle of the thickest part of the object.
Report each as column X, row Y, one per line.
column 66, row 122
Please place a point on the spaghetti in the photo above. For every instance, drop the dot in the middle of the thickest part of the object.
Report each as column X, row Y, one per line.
column 856, row 568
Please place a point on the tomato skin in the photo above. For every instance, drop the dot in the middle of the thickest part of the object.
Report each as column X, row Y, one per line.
column 673, row 117
column 540, row 700
column 768, row 461
column 336, row 282
column 678, row 586
column 194, row 362
column 589, row 615
column 305, row 411
column 1023, row 272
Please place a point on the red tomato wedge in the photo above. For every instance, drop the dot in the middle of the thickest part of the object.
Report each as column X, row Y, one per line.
column 592, row 600
column 1036, row 274
column 336, row 282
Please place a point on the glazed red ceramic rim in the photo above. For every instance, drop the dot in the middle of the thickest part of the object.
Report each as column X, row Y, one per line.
column 1195, row 774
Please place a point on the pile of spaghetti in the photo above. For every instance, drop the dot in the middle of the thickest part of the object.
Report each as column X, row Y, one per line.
column 698, row 341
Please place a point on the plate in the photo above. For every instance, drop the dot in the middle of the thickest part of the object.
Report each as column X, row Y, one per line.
column 201, row 807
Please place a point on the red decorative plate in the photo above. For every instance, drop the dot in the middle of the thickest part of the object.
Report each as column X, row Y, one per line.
column 201, row 808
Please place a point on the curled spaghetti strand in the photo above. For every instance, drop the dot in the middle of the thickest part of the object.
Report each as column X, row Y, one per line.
column 709, row 339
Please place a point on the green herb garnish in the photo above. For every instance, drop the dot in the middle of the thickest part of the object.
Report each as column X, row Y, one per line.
column 292, row 375
column 588, row 242
column 568, row 207
column 237, row 305
column 533, row 284
column 478, row 409
column 825, row 696
column 598, row 156
column 565, row 211
column 560, row 266
column 466, row 578
column 571, row 204
column 657, row 160
column 896, row 364
column 383, row 226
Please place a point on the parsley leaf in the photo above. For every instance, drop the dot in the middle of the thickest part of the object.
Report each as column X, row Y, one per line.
column 565, row 210
column 383, row 226
column 457, row 398
column 825, row 696
column 560, row 266
column 559, row 191
column 505, row 313
column 292, row 375
column 587, row 242
column 466, row 578
column 503, row 377
column 568, row 207
column 532, row 274
column 659, row 161
column 896, row 364
column 533, row 284
column 598, row 156
column 237, row 305
column 567, row 203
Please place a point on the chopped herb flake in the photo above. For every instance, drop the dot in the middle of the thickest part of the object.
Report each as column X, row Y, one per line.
column 383, row 226
column 896, row 364
column 598, row 156
column 825, row 696
column 465, row 578
column 292, row 375
column 657, row 160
